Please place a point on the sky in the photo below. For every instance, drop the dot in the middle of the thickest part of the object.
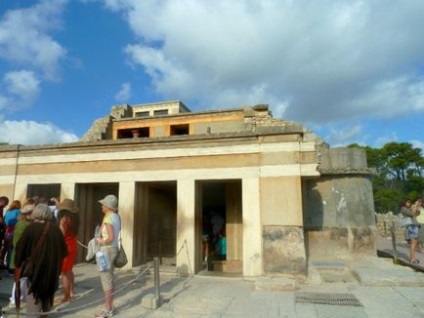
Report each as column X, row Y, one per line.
column 349, row 71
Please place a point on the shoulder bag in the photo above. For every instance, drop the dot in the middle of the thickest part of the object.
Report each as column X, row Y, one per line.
column 405, row 221
column 121, row 259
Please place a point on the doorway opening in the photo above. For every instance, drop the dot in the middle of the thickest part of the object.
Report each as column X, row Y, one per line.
column 155, row 222
column 219, row 210
column 43, row 191
column 87, row 197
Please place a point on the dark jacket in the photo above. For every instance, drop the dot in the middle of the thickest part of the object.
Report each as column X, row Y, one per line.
column 48, row 262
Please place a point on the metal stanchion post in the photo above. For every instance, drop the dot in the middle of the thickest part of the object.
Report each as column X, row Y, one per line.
column 153, row 301
column 157, row 280
column 395, row 253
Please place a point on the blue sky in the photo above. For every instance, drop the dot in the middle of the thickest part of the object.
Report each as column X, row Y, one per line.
column 350, row 71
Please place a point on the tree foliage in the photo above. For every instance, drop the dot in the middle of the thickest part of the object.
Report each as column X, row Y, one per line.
column 398, row 174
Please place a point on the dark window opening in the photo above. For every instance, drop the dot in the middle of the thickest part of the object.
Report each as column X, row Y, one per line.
column 134, row 133
column 43, row 191
column 124, row 133
column 142, row 114
column 140, row 132
column 160, row 112
column 179, row 130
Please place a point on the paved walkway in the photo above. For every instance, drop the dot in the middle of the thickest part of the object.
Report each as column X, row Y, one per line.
column 368, row 287
column 399, row 252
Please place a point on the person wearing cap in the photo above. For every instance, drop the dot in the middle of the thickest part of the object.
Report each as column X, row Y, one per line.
column 68, row 221
column 108, row 240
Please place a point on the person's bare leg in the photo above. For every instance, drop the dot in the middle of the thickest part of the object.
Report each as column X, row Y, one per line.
column 71, row 285
column 109, row 299
column 66, row 284
column 413, row 249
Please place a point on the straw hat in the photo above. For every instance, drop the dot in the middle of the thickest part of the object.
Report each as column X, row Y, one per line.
column 68, row 205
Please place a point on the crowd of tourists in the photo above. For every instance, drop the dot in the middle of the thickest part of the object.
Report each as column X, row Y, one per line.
column 39, row 249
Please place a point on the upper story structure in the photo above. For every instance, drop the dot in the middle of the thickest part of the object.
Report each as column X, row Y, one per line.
column 173, row 118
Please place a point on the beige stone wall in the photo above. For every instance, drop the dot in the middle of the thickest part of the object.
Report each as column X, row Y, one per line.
column 339, row 216
column 280, row 197
column 384, row 224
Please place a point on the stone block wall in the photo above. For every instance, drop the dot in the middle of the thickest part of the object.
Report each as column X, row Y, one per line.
column 338, row 215
column 384, row 223
column 282, row 250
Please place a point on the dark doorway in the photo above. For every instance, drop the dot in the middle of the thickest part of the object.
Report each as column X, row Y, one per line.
column 87, row 197
column 155, row 233
column 45, row 191
column 221, row 225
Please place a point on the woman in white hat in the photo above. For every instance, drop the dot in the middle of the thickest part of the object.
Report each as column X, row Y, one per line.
column 108, row 241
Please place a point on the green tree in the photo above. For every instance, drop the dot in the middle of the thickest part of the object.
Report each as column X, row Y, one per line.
column 397, row 174
column 401, row 157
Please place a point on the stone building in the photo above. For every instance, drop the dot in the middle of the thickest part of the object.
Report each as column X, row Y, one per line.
column 281, row 193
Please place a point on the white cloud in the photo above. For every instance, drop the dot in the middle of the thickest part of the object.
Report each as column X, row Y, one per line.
column 343, row 135
column 418, row 144
column 18, row 90
column 382, row 140
column 318, row 61
column 124, row 93
column 33, row 133
column 25, row 41
column 26, row 44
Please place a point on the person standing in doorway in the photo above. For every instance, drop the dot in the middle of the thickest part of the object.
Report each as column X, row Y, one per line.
column 108, row 240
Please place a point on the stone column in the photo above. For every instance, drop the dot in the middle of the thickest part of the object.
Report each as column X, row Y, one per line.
column 126, row 212
column 282, row 234
column 185, row 227
column 252, row 249
column 67, row 190
column 20, row 192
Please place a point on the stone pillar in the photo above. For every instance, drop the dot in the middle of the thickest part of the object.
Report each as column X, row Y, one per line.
column 234, row 226
column 283, row 240
column 185, row 227
column 126, row 212
column 252, row 249
column 67, row 190
column 20, row 192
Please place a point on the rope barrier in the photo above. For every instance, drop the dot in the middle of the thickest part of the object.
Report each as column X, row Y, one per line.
column 80, row 244
column 62, row 311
